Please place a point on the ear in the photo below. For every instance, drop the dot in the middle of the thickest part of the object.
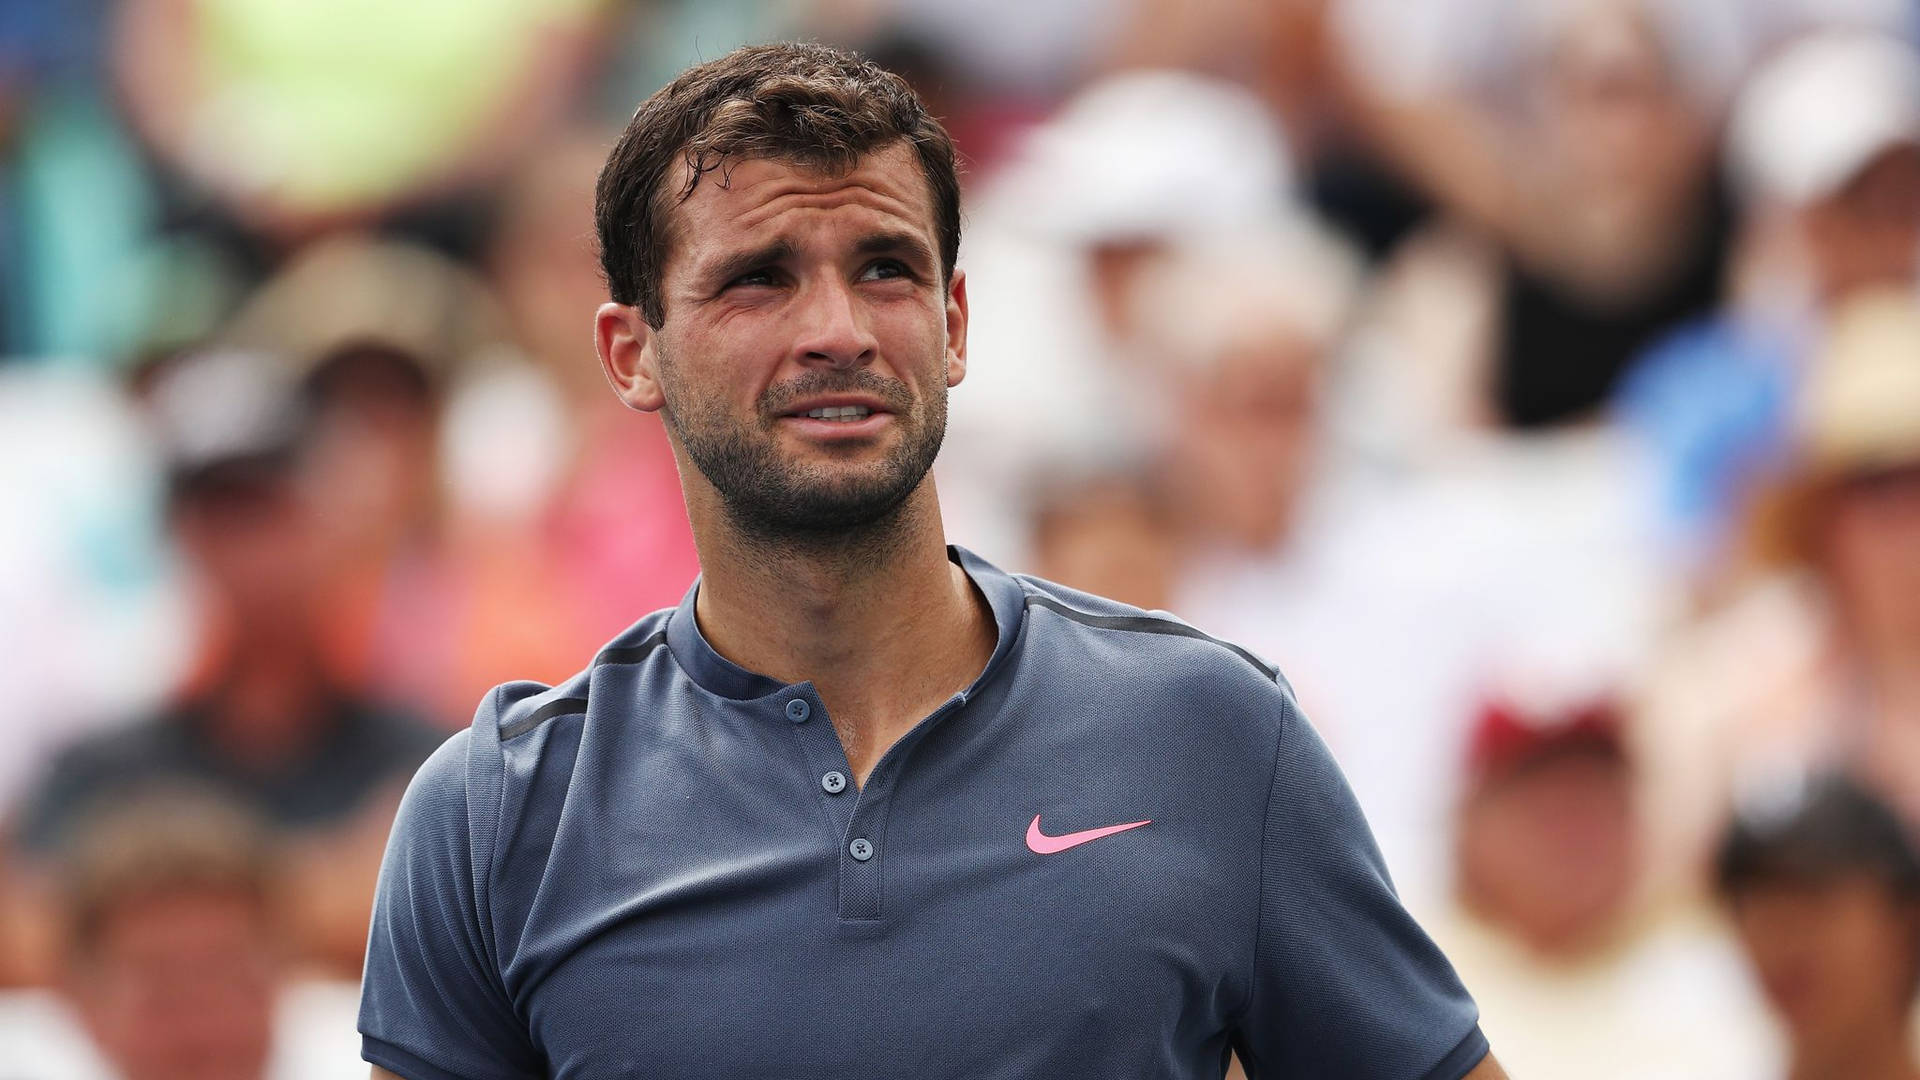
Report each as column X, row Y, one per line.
column 957, row 328
column 629, row 354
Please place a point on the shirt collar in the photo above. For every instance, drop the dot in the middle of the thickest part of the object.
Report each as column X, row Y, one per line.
column 718, row 675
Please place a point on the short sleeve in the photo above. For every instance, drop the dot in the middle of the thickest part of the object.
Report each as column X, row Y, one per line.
column 1346, row 985
column 432, row 1005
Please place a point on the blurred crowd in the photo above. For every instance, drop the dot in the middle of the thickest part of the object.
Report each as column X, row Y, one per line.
column 1536, row 382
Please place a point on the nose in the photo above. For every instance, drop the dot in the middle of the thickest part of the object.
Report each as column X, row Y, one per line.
column 832, row 327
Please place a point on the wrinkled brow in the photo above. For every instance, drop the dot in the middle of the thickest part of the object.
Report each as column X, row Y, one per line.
column 896, row 242
column 727, row 267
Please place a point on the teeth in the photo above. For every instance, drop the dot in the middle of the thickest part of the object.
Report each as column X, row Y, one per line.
column 840, row 412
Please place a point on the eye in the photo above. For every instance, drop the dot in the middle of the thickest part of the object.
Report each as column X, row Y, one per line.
column 884, row 269
column 761, row 277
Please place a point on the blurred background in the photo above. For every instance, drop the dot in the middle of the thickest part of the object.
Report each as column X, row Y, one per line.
column 1537, row 382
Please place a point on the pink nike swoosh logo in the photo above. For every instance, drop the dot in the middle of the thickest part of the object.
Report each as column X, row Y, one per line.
column 1042, row 844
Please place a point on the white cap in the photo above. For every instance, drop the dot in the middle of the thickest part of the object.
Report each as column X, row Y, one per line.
column 1151, row 154
column 222, row 405
column 1821, row 110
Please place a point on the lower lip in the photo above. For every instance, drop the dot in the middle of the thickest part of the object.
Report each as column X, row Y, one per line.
column 830, row 430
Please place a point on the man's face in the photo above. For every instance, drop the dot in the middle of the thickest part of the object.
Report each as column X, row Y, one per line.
column 808, row 343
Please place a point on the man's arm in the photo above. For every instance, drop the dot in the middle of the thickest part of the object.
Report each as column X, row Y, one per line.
column 1488, row 1069
column 382, row 1074
column 432, row 1003
column 1346, row 985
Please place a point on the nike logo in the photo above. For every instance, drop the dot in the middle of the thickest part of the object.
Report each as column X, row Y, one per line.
column 1042, row 844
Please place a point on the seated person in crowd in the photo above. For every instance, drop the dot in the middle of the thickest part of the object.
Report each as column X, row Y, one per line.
column 262, row 721
column 1814, row 665
column 170, row 961
column 1824, row 885
column 1106, row 530
column 1585, row 963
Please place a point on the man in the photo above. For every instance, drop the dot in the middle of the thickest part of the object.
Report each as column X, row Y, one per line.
column 263, row 720
column 1824, row 886
column 864, row 805
column 171, row 964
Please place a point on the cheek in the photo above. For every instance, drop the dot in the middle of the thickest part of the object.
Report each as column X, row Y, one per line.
column 915, row 327
column 714, row 371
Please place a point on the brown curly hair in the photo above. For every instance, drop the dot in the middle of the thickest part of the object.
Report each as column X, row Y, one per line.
column 808, row 104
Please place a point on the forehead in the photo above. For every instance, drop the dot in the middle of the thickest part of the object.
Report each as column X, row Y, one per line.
column 754, row 199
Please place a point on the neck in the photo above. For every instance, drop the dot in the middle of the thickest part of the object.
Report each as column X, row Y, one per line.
column 1882, row 1054
column 883, row 624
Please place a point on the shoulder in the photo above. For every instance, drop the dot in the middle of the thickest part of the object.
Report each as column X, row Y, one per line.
column 1109, row 646
column 1159, row 632
column 523, row 747
column 513, row 709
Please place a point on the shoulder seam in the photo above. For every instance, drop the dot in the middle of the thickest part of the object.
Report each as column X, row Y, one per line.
column 570, row 706
column 1147, row 624
column 1260, row 870
column 558, row 707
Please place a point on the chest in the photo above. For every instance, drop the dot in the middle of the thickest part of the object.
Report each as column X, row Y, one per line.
column 963, row 923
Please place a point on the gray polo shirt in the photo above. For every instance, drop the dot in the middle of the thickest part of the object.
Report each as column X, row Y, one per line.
column 1117, row 854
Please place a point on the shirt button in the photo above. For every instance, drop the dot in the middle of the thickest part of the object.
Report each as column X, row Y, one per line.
column 798, row 710
column 860, row 849
column 834, row 782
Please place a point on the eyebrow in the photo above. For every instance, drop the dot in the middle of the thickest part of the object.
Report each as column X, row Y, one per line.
column 895, row 242
column 728, row 267
column 886, row 242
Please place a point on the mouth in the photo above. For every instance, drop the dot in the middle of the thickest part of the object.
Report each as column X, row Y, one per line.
column 840, row 416
column 838, row 413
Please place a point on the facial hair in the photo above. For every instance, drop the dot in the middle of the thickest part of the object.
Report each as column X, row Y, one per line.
column 779, row 503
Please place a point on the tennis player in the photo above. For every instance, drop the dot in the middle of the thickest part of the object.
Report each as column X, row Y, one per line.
column 864, row 805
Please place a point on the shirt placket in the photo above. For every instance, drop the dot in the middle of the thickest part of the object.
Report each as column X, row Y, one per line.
column 856, row 815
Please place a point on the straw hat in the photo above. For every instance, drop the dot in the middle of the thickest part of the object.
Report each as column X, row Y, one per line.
column 1857, row 413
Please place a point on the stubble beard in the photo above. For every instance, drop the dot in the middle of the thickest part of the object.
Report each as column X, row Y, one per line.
column 781, row 507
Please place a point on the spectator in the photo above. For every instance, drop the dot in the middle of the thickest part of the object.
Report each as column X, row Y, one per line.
column 1108, row 532
column 171, row 959
column 1824, row 886
column 605, row 534
column 1059, row 246
column 1581, row 967
column 1295, row 536
column 263, row 721
column 1585, row 214
column 1816, row 663
column 1245, row 328
column 1826, row 137
column 403, row 358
